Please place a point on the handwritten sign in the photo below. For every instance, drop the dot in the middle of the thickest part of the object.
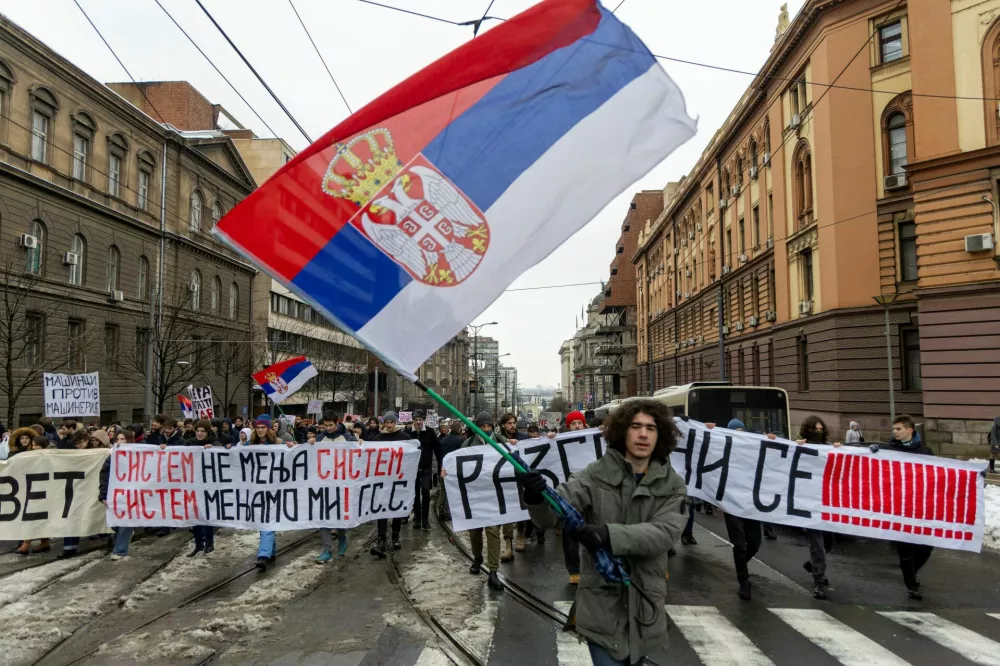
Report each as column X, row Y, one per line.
column 315, row 407
column 201, row 402
column 70, row 396
column 406, row 417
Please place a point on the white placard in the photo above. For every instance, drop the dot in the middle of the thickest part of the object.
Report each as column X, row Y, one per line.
column 406, row 417
column 315, row 407
column 201, row 402
column 72, row 396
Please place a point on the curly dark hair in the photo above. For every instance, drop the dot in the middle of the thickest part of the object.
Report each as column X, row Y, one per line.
column 620, row 420
column 807, row 430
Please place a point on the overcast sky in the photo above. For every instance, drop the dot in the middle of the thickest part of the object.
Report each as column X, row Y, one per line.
column 370, row 49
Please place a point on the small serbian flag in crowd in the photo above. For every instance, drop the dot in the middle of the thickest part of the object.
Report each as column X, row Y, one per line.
column 187, row 407
column 408, row 219
column 285, row 378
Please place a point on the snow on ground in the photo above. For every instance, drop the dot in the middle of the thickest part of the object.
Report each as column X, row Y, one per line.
column 991, row 536
column 28, row 581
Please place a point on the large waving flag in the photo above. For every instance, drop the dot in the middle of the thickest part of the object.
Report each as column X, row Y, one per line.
column 285, row 378
column 409, row 218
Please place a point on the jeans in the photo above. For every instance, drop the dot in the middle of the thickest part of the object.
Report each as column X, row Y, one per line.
column 689, row 527
column 204, row 536
column 817, row 554
column 745, row 535
column 422, row 498
column 571, row 552
column 326, row 536
column 71, row 543
column 383, row 527
column 912, row 556
column 267, row 545
column 122, row 541
column 600, row 657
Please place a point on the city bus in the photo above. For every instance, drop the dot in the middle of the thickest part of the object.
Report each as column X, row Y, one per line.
column 763, row 409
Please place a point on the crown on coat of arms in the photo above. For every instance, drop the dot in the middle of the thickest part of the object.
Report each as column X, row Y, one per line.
column 362, row 167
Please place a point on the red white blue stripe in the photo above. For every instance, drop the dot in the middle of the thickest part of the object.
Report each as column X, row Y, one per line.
column 284, row 378
column 540, row 122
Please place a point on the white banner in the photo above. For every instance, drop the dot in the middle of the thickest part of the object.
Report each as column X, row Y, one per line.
column 51, row 493
column 201, row 402
column 262, row 487
column 72, row 396
column 885, row 495
column 406, row 417
column 315, row 407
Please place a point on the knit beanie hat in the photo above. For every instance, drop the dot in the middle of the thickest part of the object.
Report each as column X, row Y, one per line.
column 263, row 419
column 390, row 416
column 575, row 416
column 484, row 418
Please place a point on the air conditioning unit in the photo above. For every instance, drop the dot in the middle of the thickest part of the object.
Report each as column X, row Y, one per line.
column 690, row 341
column 726, row 270
column 723, row 204
column 678, row 294
column 978, row 242
column 686, row 295
column 688, row 273
column 725, row 330
column 698, row 227
column 735, row 190
column 770, row 315
column 805, row 307
column 896, row 181
column 753, row 321
column 70, row 258
column 770, row 243
column 690, row 235
column 753, row 173
column 677, row 251
column 739, row 326
column 796, row 121
column 28, row 242
column 743, row 258
column 116, row 296
column 767, row 159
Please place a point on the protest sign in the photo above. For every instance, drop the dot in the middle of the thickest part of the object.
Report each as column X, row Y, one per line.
column 315, row 407
column 201, row 402
column 406, row 417
column 71, row 396
column 262, row 487
column 549, row 419
column 885, row 495
column 432, row 420
column 50, row 494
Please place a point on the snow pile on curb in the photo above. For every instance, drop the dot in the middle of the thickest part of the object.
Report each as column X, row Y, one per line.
column 28, row 581
column 991, row 535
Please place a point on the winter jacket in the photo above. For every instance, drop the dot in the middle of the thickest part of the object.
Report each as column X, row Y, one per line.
column 154, row 437
column 993, row 437
column 104, row 480
column 283, row 433
column 430, row 448
column 450, row 442
column 371, row 434
column 644, row 521
column 176, row 439
column 194, row 441
column 914, row 446
column 15, row 437
column 396, row 435
column 140, row 437
column 476, row 440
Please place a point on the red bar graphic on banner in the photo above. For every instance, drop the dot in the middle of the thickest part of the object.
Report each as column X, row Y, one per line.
column 928, row 499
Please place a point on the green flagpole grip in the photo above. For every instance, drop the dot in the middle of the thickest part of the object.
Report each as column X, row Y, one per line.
column 502, row 450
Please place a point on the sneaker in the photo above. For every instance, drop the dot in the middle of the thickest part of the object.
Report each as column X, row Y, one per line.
column 342, row 547
column 494, row 582
column 324, row 557
column 66, row 554
column 819, row 592
column 115, row 557
column 396, row 545
column 519, row 543
column 708, row 510
column 209, row 549
column 574, row 579
column 378, row 548
column 44, row 546
column 915, row 594
column 475, row 569
column 262, row 564
column 688, row 540
column 196, row 551
column 425, row 526
column 744, row 590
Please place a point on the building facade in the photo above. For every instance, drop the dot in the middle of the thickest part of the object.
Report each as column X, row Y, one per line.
column 814, row 210
column 107, row 257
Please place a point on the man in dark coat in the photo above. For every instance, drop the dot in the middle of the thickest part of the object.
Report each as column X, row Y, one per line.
column 430, row 449
column 391, row 432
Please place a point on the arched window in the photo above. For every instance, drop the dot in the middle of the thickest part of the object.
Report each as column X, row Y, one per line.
column 147, row 164
column 35, row 256
column 84, row 129
column 991, row 83
column 194, row 216
column 142, row 279
column 234, row 301
column 767, row 138
column 803, row 184
column 726, row 185
column 114, row 261
column 897, row 136
column 753, row 155
column 216, row 213
column 896, row 127
column 214, row 296
column 739, row 172
column 44, row 107
column 117, row 159
column 195, row 288
column 78, row 246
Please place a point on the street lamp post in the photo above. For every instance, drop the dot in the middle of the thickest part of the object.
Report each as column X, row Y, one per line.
column 475, row 362
column 885, row 302
column 496, row 386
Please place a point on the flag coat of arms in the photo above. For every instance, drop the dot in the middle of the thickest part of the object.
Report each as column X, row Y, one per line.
column 437, row 195
column 285, row 378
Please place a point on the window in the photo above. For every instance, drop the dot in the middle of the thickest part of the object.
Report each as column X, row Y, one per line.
column 117, row 151
column 767, row 138
column 891, row 41
column 803, row 184
column 753, row 155
column 214, row 296
column 710, row 195
column 742, row 236
column 146, row 165
column 33, row 340
column 896, row 126
column 39, row 136
column 756, row 365
column 114, row 259
column 234, row 301
column 197, row 351
column 216, row 213
column 908, row 251
column 770, row 214
column 195, row 212
column 143, row 199
column 739, row 172
column 727, row 188
column 141, row 279
column 114, row 175
column 111, row 347
column 81, row 148
column 195, row 291
column 806, row 258
column 755, row 296
column 78, row 246
column 141, row 348
column 756, row 226
column 912, row 380
column 137, row 415
column 215, row 351
column 797, row 95
column 35, row 257
column 75, row 345
column 803, row 353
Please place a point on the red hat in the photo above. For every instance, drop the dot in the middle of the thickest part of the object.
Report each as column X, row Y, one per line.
column 575, row 416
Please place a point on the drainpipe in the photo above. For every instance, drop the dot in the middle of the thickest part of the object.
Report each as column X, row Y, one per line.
column 156, row 302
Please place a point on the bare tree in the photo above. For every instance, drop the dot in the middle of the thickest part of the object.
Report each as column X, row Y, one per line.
column 234, row 360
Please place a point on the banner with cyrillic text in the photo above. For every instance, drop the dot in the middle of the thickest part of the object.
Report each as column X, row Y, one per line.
column 72, row 396
column 51, row 493
column 262, row 487
column 481, row 487
column 884, row 495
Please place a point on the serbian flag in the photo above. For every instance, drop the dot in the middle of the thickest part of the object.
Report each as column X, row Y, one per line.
column 285, row 378
column 409, row 218
column 187, row 408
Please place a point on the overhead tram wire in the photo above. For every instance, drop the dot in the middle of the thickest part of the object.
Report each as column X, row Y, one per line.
column 413, row 13
column 321, row 58
column 255, row 73
column 224, row 78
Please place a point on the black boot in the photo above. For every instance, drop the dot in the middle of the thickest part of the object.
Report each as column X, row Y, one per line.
column 197, row 550
column 262, row 563
column 819, row 591
column 476, row 566
column 396, row 545
column 744, row 590
column 915, row 594
column 378, row 548
column 494, row 582
column 769, row 533
column 688, row 540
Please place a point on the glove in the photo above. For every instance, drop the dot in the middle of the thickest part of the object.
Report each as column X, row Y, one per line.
column 594, row 537
column 532, row 486
column 873, row 448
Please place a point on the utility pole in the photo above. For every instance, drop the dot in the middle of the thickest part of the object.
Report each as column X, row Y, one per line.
column 722, row 336
column 475, row 363
column 376, row 392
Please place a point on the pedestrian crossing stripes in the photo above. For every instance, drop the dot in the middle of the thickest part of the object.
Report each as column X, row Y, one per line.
column 570, row 651
column 974, row 647
column 844, row 644
column 715, row 639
